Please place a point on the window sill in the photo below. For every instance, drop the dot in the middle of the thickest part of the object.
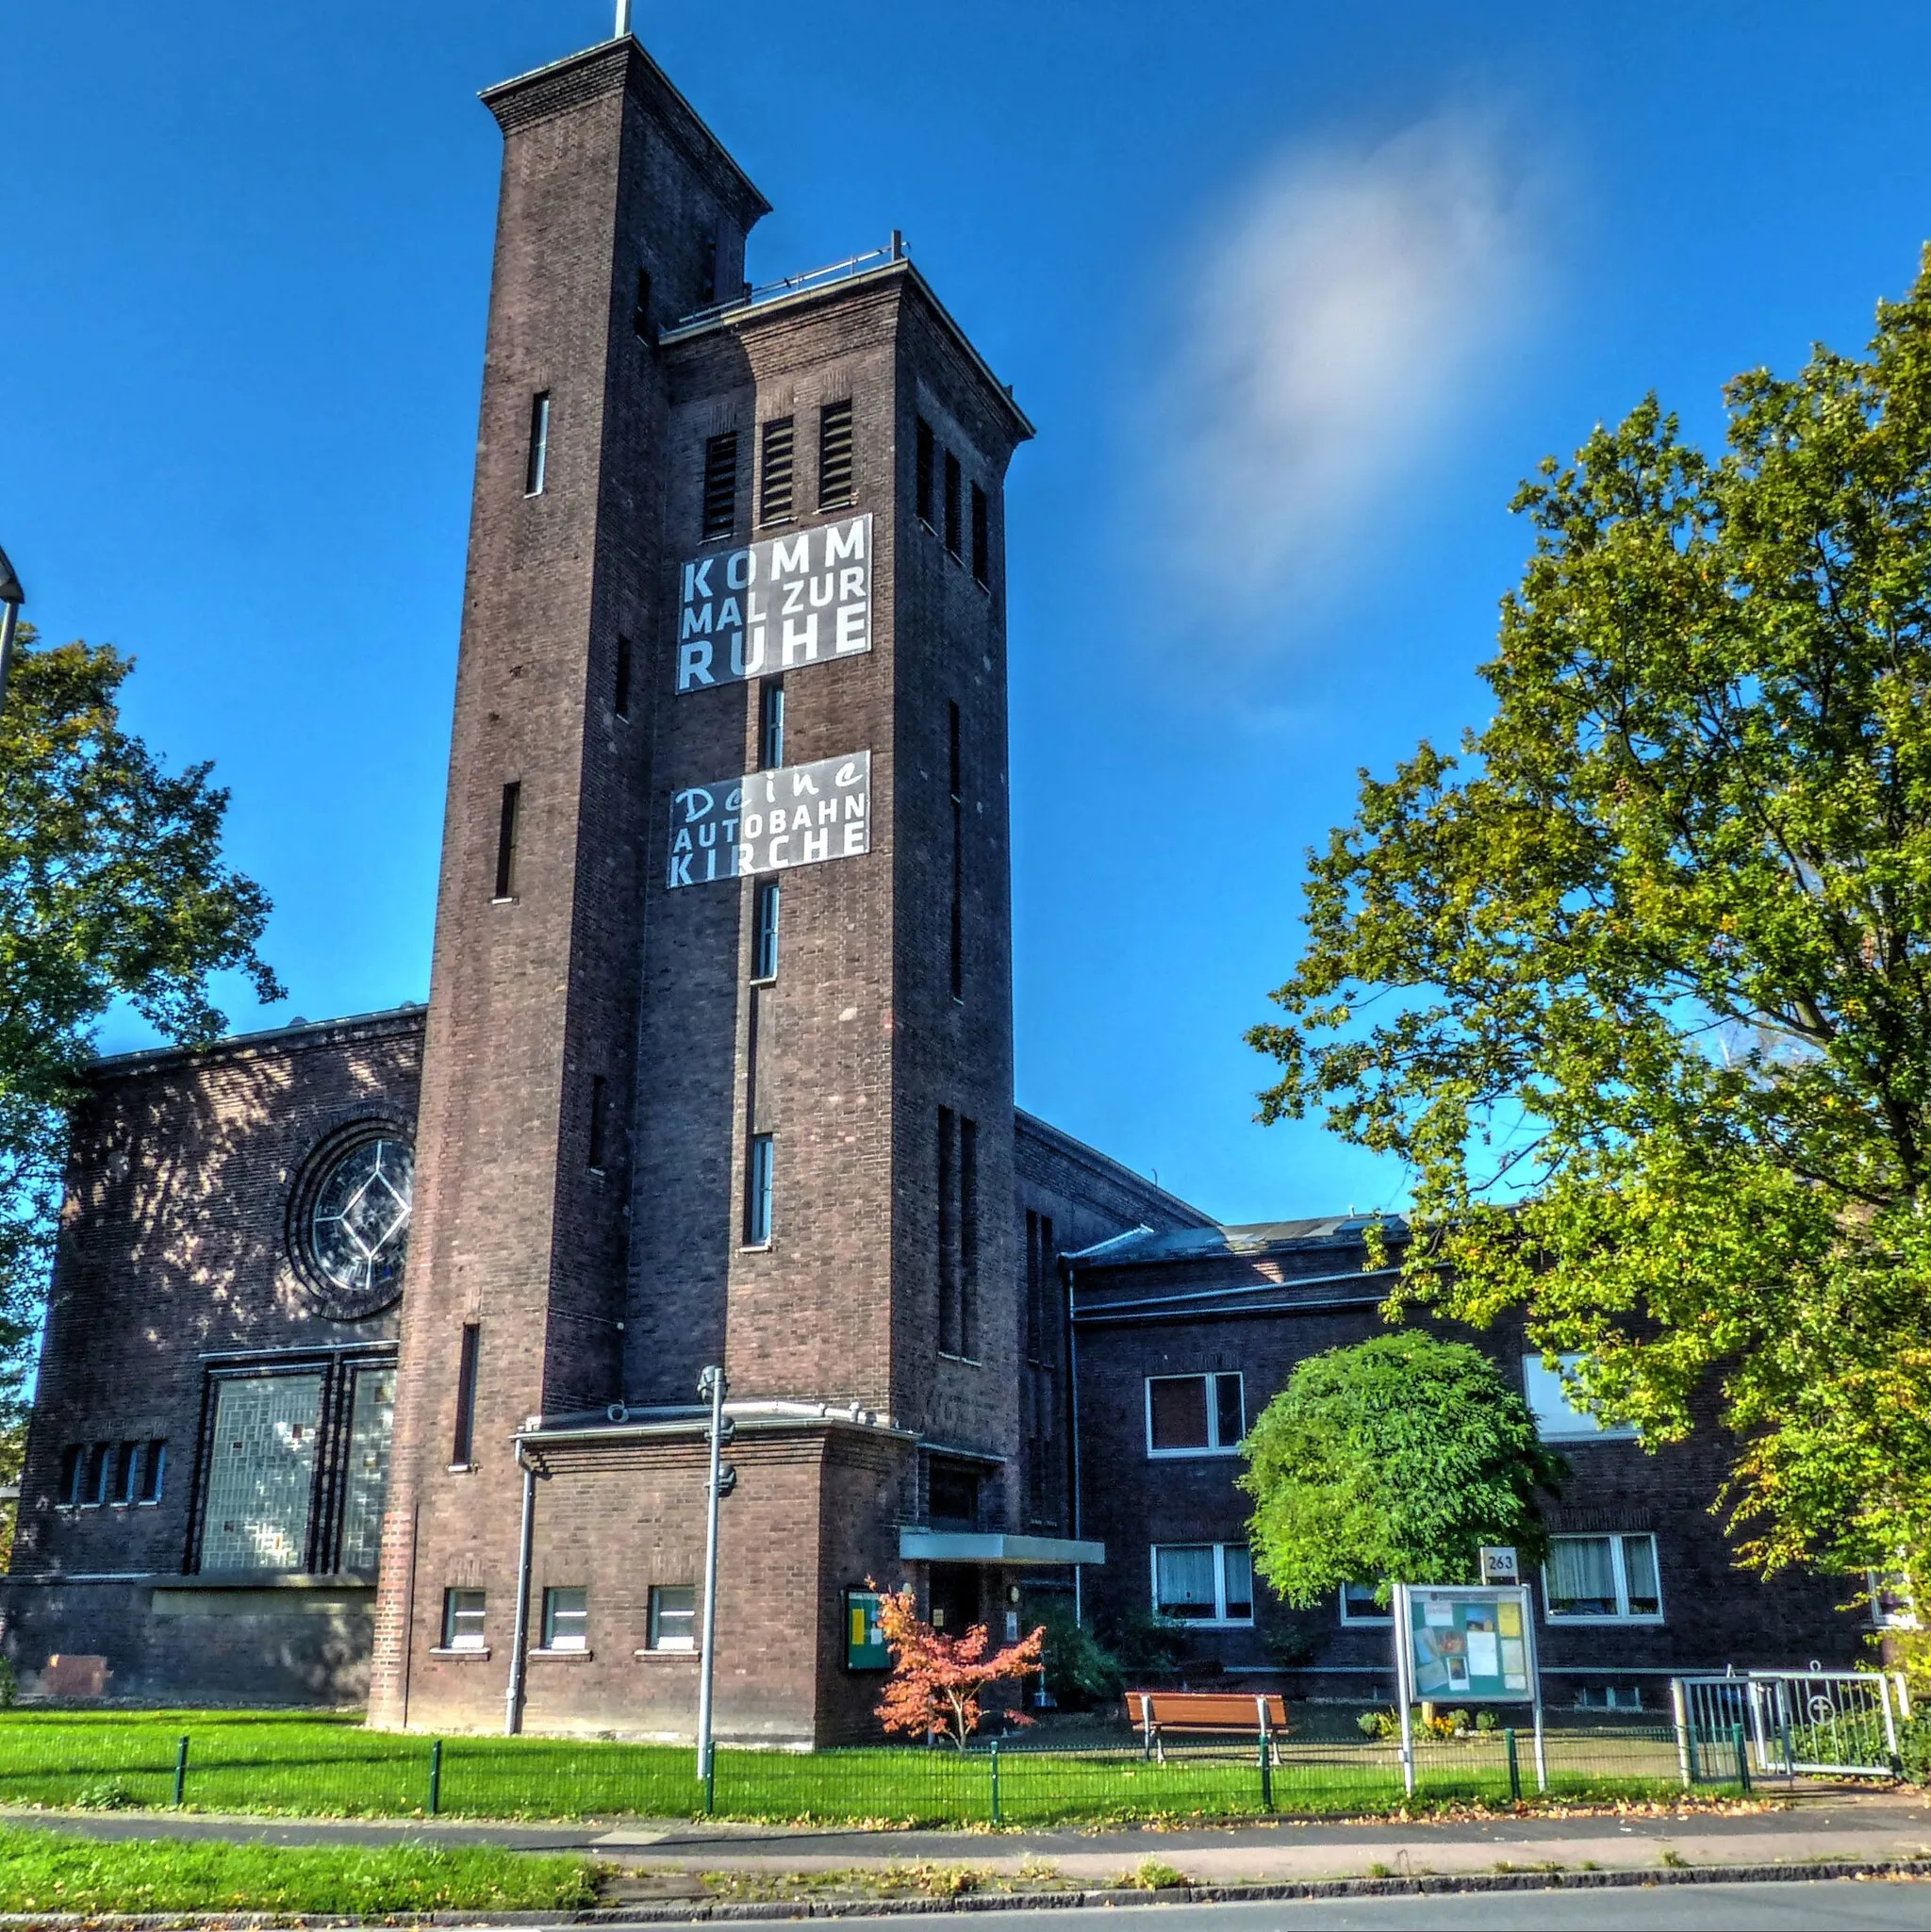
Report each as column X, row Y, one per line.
column 669, row 1655
column 560, row 1656
column 1204, row 1623
column 1190, row 1455
column 462, row 1468
column 503, row 898
column 447, row 1655
column 1556, row 1619
column 754, row 1247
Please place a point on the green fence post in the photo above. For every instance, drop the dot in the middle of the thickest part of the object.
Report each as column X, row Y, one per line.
column 435, row 1776
column 995, row 1780
column 1515, row 1767
column 1266, row 1771
column 711, row 1783
column 181, row 1772
column 1742, row 1756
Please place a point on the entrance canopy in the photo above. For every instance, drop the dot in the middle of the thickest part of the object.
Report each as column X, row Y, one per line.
column 976, row 1546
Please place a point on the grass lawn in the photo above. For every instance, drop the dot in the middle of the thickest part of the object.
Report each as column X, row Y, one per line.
column 276, row 1763
column 53, row 1872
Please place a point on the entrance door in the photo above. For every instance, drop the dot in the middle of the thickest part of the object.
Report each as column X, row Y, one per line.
column 955, row 1597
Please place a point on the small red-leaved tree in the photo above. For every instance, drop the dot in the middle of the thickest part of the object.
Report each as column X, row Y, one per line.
column 937, row 1680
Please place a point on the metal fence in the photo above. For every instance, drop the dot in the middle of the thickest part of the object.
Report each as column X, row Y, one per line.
column 266, row 1766
column 1790, row 1724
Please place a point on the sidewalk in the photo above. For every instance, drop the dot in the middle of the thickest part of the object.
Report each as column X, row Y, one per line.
column 1864, row 1827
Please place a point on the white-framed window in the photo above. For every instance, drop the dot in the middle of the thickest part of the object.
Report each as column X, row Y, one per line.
column 1555, row 1401
column 673, row 1616
column 1892, row 1606
column 462, row 1620
column 566, row 1619
column 1195, row 1415
column 1602, row 1579
column 1358, row 1605
column 1203, row 1583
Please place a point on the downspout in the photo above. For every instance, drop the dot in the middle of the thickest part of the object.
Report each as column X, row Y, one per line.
column 1073, row 1426
column 519, row 1667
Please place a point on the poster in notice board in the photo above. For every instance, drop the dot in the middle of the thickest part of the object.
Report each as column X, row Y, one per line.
column 1471, row 1644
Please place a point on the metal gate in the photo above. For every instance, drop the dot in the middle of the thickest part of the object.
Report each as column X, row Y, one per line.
column 1785, row 1723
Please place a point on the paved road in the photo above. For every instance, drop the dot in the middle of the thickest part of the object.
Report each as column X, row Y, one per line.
column 1841, row 1906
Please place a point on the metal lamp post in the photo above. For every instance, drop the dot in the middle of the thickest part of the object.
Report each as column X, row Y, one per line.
column 723, row 1479
column 11, row 598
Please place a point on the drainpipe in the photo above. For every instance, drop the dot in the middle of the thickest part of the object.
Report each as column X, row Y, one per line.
column 519, row 1656
column 1073, row 1427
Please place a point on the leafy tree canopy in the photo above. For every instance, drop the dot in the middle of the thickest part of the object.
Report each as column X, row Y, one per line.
column 1393, row 1461
column 1638, row 986
column 112, row 886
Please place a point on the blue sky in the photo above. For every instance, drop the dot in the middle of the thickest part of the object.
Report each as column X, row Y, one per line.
column 1296, row 293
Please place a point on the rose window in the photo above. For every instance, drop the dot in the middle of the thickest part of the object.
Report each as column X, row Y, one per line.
column 358, row 1228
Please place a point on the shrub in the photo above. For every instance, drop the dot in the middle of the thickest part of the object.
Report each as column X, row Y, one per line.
column 1080, row 1672
column 1914, row 1747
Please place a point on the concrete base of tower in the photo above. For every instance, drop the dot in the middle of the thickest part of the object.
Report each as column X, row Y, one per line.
column 616, row 1576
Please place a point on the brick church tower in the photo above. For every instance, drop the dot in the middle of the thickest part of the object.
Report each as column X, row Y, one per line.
column 718, row 1061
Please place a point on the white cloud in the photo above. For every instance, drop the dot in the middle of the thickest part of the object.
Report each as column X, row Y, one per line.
column 1356, row 299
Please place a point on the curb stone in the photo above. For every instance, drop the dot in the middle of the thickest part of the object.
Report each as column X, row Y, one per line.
column 679, row 1912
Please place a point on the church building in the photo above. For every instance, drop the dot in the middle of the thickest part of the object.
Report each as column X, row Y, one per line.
column 716, row 1069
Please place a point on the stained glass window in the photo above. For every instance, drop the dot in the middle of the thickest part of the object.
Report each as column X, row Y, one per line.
column 358, row 1230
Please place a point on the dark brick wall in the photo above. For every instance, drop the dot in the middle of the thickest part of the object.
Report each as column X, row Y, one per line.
column 605, row 171
column 1068, row 1196
column 1714, row 1614
column 175, row 1246
column 591, row 1288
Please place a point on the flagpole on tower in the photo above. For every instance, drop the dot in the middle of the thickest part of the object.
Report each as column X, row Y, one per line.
column 623, row 20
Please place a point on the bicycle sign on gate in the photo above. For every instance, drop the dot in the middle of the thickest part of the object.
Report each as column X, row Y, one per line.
column 1839, row 1724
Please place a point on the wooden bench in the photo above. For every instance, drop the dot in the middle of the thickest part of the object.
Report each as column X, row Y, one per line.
column 1223, row 1714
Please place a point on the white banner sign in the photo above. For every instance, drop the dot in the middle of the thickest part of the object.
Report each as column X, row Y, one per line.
column 770, row 821
column 802, row 598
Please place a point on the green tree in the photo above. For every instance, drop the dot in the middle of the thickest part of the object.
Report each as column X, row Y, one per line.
column 111, row 887
column 1637, row 987
column 1393, row 1461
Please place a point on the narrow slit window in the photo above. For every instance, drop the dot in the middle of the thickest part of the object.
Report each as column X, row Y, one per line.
column 834, row 455
column 127, row 1473
column 921, row 487
column 100, row 1473
column 73, row 1468
column 956, row 929
column 721, row 484
column 536, row 464
column 777, row 473
column 771, row 725
column 969, row 1238
column 982, row 537
column 506, row 832
column 600, row 1108
column 463, row 1450
column 954, row 482
column 619, row 693
column 640, row 310
column 764, row 941
column 760, row 1190
column 707, row 272
column 947, row 1236
column 153, row 1467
